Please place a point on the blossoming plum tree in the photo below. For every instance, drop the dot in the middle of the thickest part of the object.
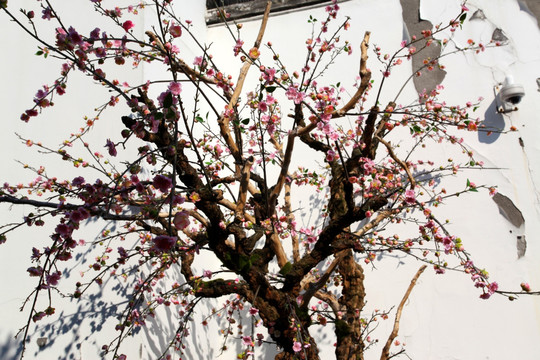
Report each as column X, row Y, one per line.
column 225, row 183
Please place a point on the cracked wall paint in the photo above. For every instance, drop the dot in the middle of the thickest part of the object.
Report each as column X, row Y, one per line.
column 414, row 26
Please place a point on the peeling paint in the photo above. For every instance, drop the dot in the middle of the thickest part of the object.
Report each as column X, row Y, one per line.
column 413, row 26
column 498, row 35
column 478, row 15
column 521, row 246
column 509, row 210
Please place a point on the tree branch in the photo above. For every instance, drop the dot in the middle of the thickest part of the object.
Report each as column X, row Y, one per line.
column 386, row 350
column 224, row 120
column 401, row 163
column 365, row 77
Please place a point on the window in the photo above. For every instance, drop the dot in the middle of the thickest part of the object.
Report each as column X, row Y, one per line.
column 241, row 9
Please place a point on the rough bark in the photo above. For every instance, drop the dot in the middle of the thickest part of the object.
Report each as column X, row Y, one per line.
column 349, row 328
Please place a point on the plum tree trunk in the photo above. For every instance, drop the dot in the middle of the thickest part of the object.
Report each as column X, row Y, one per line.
column 349, row 327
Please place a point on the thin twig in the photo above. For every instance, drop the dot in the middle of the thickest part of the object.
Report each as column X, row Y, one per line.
column 401, row 163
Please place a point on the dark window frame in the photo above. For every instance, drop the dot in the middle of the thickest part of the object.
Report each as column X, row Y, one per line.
column 242, row 9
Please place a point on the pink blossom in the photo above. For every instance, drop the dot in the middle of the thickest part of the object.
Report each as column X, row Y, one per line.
column 295, row 95
column 238, row 47
column 175, row 88
column 254, row 53
column 247, row 341
column 410, row 197
column 297, row 346
column 207, row 273
column 330, row 155
column 253, row 311
column 176, row 31
column 181, row 220
column 525, row 287
column 263, row 107
column 198, row 61
column 269, row 75
column 493, row 287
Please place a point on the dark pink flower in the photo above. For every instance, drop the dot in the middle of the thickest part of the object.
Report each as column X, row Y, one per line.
column 128, row 25
column 78, row 181
column 52, row 279
column 64, row 230
column 253, row 311
column 94, row 34
column 162, row 183
column 47, row 14
column 112, row 148
column 38, row 316
column 164, row 242
column 35, row 271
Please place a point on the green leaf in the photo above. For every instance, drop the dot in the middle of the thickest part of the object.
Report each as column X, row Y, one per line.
column 416, row 129
column 462, row 18
column 270, row 89
column 245, row 121
column 199, row 119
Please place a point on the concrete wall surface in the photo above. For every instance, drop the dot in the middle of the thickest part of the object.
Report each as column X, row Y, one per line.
column 444, row 319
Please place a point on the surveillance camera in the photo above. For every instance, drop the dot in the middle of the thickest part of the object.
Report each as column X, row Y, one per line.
column 512, row 93
column 509, row 95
